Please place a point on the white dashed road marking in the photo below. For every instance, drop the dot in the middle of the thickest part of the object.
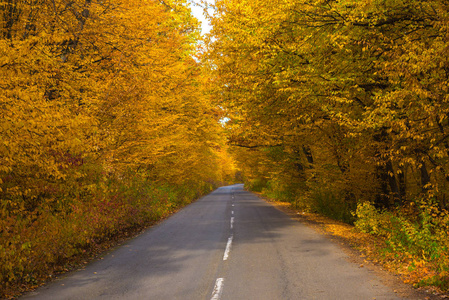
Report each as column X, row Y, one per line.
column 228, row 248
column 216, row 293
column 217, row 289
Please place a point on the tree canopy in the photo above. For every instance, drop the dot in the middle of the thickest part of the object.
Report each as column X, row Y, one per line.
column 350, row 94
column 106, row 124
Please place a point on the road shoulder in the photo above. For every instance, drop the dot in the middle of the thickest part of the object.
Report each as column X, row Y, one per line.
column 360, row 250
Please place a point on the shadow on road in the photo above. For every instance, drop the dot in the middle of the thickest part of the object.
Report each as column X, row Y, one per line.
column 181, row 255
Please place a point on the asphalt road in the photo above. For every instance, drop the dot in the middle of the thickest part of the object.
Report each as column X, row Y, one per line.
column 227, row 245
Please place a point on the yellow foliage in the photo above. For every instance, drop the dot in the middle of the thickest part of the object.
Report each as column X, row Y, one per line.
column 100, row 99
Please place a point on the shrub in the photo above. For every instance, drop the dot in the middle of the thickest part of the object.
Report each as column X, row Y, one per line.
column 420, row 238
column 331, row 204
column 37, row 245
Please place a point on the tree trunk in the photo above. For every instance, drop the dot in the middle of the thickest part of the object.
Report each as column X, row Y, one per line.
column 382, row 198
column 308, row 153
column 425, row 177
column 394, row 186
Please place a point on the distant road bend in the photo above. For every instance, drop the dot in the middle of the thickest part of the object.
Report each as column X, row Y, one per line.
column 227, row 245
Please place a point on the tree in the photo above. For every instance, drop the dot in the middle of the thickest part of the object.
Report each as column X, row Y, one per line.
column 351, row 82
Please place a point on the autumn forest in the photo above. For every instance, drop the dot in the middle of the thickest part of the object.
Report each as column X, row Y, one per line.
column 116, row 113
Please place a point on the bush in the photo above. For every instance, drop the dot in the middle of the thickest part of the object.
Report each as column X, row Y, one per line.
column 370, row 220
column 46, row 241
column 256, row 185
column 421, row 237
column 331, row 204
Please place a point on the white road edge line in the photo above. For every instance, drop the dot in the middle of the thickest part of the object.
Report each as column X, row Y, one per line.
column 217, row 289
column 228, row 248
column 232, row 222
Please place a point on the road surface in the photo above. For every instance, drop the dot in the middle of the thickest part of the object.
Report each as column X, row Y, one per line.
column 227, row 245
